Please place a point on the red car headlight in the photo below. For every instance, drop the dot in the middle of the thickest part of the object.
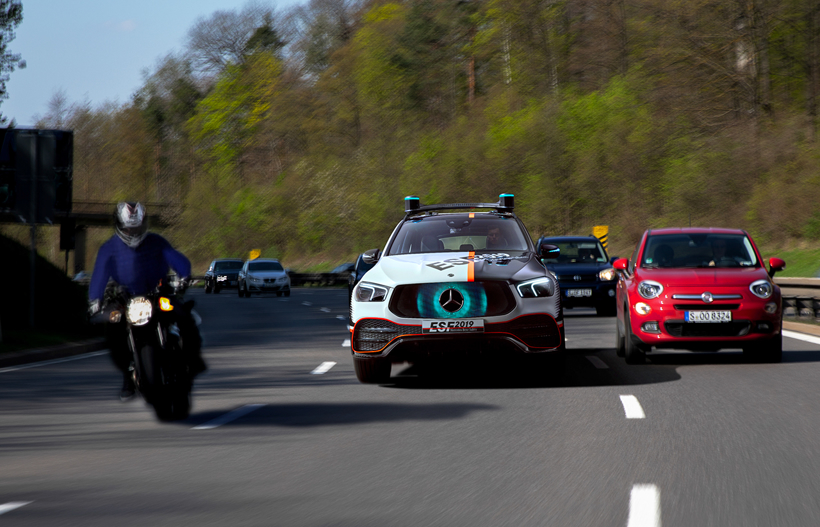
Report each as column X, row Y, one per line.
column 650, row 289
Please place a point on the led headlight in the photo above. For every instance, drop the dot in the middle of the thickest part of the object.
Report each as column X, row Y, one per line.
column 536, row 288
column 649, row 289
column 139, row 311
column 761, row 289
column 282, row 279
column 366, row 292
column 607, row 275
column 254, row 279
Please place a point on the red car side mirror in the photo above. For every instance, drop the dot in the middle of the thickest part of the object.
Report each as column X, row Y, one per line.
column 621, row 264
column 775, row 265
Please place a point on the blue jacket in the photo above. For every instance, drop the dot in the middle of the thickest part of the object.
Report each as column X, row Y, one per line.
column 140, row 269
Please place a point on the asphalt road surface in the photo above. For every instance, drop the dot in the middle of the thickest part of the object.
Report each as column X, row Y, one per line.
column 282, row 433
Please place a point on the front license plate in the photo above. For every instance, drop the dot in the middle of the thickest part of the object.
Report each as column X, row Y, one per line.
column 579, row 292
column 453, row 326
column 708, row 316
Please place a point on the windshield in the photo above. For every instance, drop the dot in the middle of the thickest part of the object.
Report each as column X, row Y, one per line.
column 227, row 266
column 459, row 233
column 698, row 250
column 576, row 252
column 265, row 266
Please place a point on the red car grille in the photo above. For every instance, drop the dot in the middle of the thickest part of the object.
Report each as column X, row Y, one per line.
column 680, row 328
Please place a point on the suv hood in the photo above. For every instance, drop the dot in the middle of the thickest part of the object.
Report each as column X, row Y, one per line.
column 454, row 267
column 704, row 276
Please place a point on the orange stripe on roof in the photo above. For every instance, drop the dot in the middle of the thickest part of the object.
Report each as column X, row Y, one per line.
column 471, row 267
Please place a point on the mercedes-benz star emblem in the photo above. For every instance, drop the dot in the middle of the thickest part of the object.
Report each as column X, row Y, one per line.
column 707, row 297
column 451, row 300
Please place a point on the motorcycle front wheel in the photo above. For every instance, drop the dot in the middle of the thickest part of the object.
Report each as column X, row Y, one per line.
column 164, row 390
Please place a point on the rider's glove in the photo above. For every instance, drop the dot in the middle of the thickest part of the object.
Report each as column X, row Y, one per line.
column 94, row 307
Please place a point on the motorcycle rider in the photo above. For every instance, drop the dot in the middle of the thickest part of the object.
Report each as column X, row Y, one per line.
column 138, row 260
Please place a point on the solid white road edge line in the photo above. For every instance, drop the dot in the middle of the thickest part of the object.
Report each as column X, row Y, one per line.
column 323, row 367
column 10, row 506
column 228, row 417
column 644, row 506
column 632, row 407
column 53, row 361
column 346, row 343
column 801, row 336
column 598, row 363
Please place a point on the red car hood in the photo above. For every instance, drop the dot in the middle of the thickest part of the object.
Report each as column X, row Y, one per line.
column 703, row 276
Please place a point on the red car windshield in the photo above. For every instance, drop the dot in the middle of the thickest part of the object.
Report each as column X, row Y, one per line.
column 698, row 250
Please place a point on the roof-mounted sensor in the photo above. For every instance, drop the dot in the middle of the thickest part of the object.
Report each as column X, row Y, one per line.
column 411, row 203
column 506, row 203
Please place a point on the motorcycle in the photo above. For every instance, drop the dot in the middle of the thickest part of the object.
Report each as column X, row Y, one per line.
column 160, row 367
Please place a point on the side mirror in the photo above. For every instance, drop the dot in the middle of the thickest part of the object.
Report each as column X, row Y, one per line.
column 775, row 265
column 371, row 256
column 548, row 250
column 620, row 264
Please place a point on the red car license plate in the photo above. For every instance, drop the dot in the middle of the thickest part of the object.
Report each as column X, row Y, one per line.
column 708, row 316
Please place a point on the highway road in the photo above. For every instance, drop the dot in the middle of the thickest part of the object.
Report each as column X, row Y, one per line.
column 282, row 433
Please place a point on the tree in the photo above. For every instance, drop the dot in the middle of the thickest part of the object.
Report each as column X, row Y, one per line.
column 11, row 14
column 222, row 39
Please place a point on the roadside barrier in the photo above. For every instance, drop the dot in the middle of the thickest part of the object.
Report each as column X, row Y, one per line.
column 801, row 297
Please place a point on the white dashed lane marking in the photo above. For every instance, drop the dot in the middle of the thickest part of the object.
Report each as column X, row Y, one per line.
column 10, row 506
column 307, row 303
column 228, row 417
column 598, row 363
column 323, row 367
column 346, row 343
column 632, row 407
column 801, row 336
column 644, row 506
column 325, row 310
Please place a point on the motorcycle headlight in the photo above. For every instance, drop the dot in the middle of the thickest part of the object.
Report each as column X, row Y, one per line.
column 649, row 289
column 139, row 311
column 607, row 275
column 761, row 289
column 366, row 292
column 538, row 287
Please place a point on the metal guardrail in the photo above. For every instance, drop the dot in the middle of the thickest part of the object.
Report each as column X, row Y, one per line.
column 801, row 297
column 318, row 279
column 306, row 279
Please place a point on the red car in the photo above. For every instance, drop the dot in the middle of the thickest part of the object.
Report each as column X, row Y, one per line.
column 698, row 289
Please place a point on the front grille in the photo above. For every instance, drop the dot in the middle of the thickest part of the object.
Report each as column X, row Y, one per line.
column 569, row 279
column 481, row 299
column 536, row 331
column 375, row 334
column 706, row 307
column 680, row 328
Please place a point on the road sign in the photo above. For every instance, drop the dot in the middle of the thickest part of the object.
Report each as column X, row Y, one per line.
column 602, row 233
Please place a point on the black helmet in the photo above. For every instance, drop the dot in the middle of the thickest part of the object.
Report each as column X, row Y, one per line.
column 131, row 224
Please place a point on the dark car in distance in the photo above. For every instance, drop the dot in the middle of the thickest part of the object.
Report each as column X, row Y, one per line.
column 222, row 274
column 584, row 272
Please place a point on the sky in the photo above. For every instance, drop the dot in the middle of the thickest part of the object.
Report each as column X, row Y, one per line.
column 97, row 50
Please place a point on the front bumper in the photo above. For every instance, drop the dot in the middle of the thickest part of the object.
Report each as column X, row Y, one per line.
column 266, row 287
column 666, row 326
column 533, row 333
